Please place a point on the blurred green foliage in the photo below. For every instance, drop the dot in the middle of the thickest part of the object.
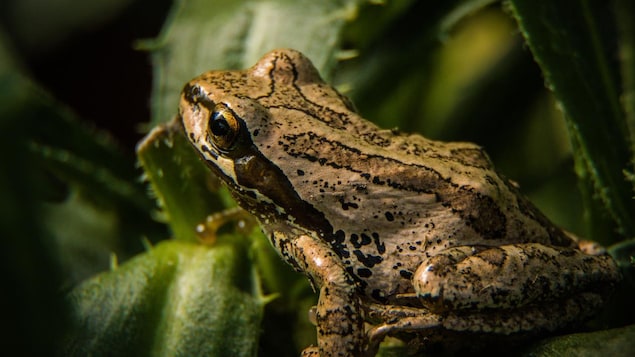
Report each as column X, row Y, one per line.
column 75, row 203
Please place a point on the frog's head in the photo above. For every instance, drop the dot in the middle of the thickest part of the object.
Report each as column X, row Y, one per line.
column 239, row 122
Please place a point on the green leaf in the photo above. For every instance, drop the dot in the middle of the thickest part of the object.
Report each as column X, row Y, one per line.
column 397, row 48
column 202, row 35
column 87, row 188
column 574, row 42
column 624, row 10
column 178, row 299
column 613, row 342
column 31, row 272
column 179, row 180
column 81, row 183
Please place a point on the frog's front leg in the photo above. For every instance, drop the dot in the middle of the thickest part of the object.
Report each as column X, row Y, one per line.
column 340, row 325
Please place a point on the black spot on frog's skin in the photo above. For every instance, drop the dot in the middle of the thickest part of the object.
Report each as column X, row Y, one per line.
column 381, row 247
column 378, row 181
column 357, row 243
column 365, row 239
column 377, row 295
column 308, row 157
column 206, row 149
column 361, row 283
column 405, row 274
column 300, row 173
column 359, row 187
column 364, row 273
column 347, row 205
column 338, row 244
column 368, row 260
column 389, row 216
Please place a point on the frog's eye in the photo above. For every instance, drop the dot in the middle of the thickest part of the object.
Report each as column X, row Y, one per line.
column 224, row 127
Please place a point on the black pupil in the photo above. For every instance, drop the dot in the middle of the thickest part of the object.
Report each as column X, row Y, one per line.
column 219, row 125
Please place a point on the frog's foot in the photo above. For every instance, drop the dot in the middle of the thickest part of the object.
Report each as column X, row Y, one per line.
column 591, row 247
column 587, row 246
column 397, row 319
column 207, row 232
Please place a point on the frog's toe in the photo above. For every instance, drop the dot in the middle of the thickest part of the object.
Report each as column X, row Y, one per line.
column 311, row 351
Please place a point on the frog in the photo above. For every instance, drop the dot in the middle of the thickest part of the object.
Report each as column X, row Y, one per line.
column 399, row 234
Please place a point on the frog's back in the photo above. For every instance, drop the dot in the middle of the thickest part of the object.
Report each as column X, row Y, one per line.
column 392, row 199
column 382, row 200
column 358, row 174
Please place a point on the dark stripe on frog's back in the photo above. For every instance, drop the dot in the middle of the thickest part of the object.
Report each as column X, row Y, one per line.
column 332, row 108
column 232, row 83
column 380, row 171
column 317, row 99
column 476, row 208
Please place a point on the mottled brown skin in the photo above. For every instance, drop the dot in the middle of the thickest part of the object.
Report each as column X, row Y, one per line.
column 413, row 234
